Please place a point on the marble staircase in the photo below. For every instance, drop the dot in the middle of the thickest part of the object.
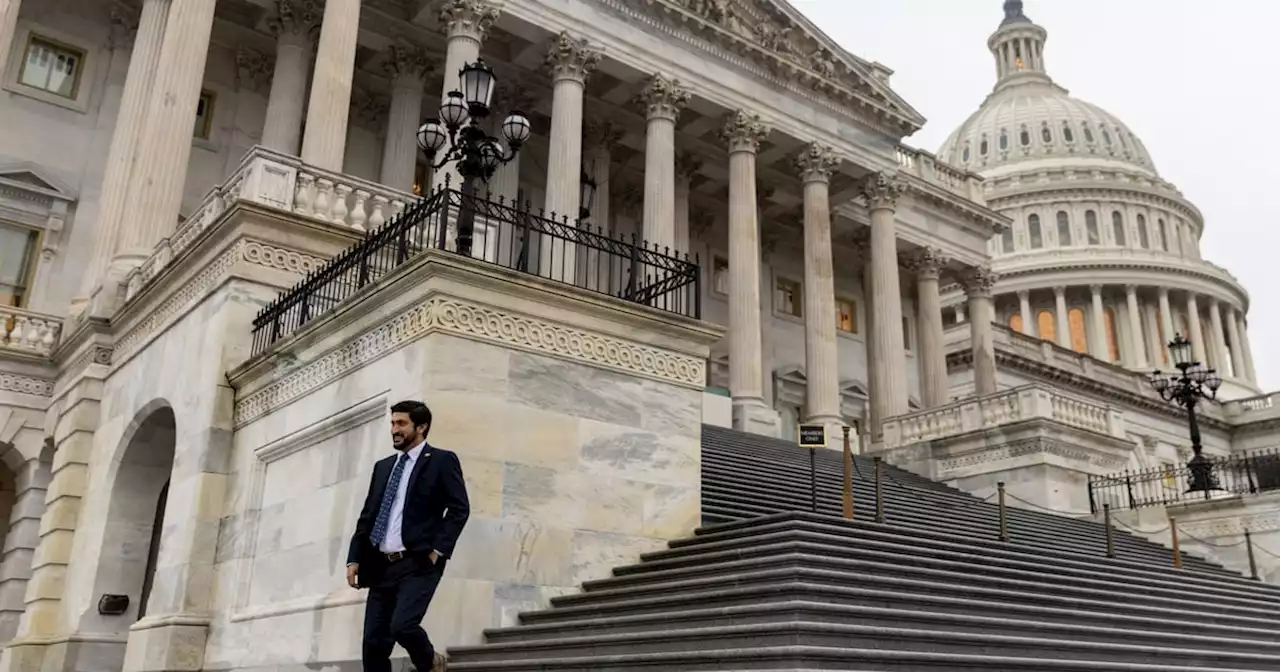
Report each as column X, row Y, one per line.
column 767, row 584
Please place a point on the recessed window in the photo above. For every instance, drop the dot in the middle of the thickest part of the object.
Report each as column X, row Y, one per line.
column 52, row 66
column 1120, row 136
column 1064, row 229
column 1046, row 326
column 1045, row 134
column 1164, row 237
column 1075, row 322
column 204, row 114
column 720, row 275
column 17, row 263
column 982, row 146
column 1004, row 140
column 1015, row 322
column 1113, row 339
column 789, row 298
column 1091, row 227
column 1006, row 240
column 1088, row 134
column 1106, row 137
column 847, row 316
column 1024, row 137
column 1117, row 227
column 965, row 155
column 1066, row 132
column 1143, row 239
column 1034, row 233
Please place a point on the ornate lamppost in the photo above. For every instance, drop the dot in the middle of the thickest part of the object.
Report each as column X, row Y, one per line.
column 476, row 153
column 1193, row 382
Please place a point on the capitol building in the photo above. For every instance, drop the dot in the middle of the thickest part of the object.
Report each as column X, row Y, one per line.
column 224, row 254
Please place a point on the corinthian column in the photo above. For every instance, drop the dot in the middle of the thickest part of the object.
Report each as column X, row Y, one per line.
column 978, row 283
column 164, row 151
column 1063, row 332
column 292, row 25
column 1135, row 327
column 1166, row 317
column 1196, row 336
column 1101, row 348
column 325, row 143
column 570, row 61
column 406, row 66
column 743, row 132
column 466, row 23
column 8, row 26
column 928, row 264
column 822, row 364
column 1219, row 356
column 663, row 99
column 1246, row 351
column 1024, row 310
column 882, row 191
column 124, row 142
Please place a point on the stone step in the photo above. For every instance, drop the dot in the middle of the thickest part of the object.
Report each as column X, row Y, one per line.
column 868, row 546
column 900, row 640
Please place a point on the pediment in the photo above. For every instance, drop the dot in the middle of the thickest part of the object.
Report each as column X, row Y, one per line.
column 777, row 36
column 32, row 177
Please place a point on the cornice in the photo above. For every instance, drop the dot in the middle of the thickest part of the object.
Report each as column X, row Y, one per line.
column 1038, row 193
column 967, row 208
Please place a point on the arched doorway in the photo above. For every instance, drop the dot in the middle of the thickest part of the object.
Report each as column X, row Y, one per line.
column 135, row 520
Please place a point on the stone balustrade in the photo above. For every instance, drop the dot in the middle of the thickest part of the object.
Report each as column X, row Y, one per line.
column 276, row 180
column 933, row 170
column 1006, row 407
column 28, row 332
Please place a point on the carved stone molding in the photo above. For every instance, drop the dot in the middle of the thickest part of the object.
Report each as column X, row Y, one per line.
column 882, row 190
column 743, row 131
column 407, row 62
column 571, row 58
column 688, row 164
column 1037, row 445
column 96, row 354
column 599, row 132
column 253, row 69
column 295, row 19
column 468, row 18
column 926, row 263
column 13, row 382
column 124, row 24
column 1231, row 526
column 978, row 281
column 816, row 163
column 369, row 109
column 483, row 323
column 663, row 97
column 700, row 222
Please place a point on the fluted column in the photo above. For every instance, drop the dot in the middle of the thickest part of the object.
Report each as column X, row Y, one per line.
column 822, row 365
column 1024, row 311
column 1098, row 317
column 1219, row 357
column 687, row 165
column 292, row 25
column 662, row 98
column 1166, row 318
column 600, row 136
column 1062, row 330
column 8, row 26
column 743, row 132
column 882, row 191
column 862, row 246
column 1245, row 349
column 130, row 120
column 406, row 66
column 1135, row 327
column 928, row 264
column 1198, row 349
column 571, row 61
column 978, row 283
column 325, row 143
column 466, row 24
column 1238, row 368
column 1151, row 328
column 164, row 150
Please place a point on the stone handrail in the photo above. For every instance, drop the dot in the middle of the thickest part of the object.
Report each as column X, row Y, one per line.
column 931, row 169
column 28, row 332
column 276, row 180
column 1002, row 408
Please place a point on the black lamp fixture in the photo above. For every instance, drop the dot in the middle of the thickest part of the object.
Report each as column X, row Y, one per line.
column 477, row 154
column 1193, row 382
column 586, row 194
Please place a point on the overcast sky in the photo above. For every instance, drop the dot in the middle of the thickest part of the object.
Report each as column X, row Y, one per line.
column 1197, row 81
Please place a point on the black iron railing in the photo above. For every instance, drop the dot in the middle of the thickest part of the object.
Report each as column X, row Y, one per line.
column 1162, row 486
column 516, row 238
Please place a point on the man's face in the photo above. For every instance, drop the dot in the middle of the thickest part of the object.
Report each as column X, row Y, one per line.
column 403, row 433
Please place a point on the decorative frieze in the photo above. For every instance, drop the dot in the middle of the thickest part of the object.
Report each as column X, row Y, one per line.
column 12, row 382
column 882, row 190
column 663, row 98
column 816, row 163
column 469, row 18
column 485, row 323
column 743, row 131
column 571, row 58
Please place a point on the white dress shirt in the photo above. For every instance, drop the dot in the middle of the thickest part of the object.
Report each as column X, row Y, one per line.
column 393, row 542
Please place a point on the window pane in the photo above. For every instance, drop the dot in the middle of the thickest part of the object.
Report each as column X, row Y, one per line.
column 1015, row 322
column 51, row 68
column 1143, row 239
column 1113, row 342
column 1091, row 226
column 1006, row 240
column 1164, row 236
column 17, row 254
column 846, row 316
column 789, row 297
column 1117, row 223
column 1044, row 322
column 1034, row 233
column 1075, row 322
column 720, row 275
column 1064, row 229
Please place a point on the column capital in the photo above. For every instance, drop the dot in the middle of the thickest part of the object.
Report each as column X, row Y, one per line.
column 1130, row 289
column 468, row 18
column 1163, row 292
column 743, row 131
column 404, row 62
column 663, row 97
column 515, row 97
column 816, row 162
column 298, row 18
column 687, row 164
column 1095, row 289
column 1213, row 302
column 1059, row 290
column 369, row 108
column 1024, row 294
column 571, row 58
column 253, row 69
column 601, row 132
column 927, row 263
column 124, row 24
column 978, row 281
column 882, row 190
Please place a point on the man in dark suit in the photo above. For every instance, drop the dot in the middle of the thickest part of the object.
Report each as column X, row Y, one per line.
column 415, row 510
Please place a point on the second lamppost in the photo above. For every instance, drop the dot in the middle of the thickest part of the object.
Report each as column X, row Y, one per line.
column 476, row 153
column 1193, row 382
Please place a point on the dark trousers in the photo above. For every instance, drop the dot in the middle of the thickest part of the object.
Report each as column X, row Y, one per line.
column 393, row 613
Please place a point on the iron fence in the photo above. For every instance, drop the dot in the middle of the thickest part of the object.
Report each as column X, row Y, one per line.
column 1161, row 486
column 504, row 234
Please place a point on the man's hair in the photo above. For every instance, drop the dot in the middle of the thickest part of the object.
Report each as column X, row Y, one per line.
column 418, row 413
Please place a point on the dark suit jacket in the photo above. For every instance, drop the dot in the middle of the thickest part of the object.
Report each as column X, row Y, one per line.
column 435, row 508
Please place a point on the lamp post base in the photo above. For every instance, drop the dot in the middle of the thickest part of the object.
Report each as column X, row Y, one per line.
column 1202, row 478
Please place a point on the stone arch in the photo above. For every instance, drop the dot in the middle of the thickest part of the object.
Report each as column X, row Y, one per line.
column 139, row 474
column 26, row 465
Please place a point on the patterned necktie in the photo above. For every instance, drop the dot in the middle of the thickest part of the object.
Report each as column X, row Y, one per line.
column 388, row 498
